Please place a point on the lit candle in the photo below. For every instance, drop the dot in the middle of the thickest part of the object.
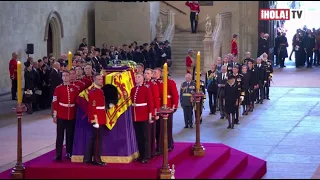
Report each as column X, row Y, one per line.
column 165, row 84
column 198, row 72
column 19, row 82
column 69, row 60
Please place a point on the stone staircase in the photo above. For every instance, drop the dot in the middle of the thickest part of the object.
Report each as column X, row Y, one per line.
column 183, row 41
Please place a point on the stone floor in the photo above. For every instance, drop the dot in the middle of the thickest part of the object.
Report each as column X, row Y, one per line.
column 285, row 131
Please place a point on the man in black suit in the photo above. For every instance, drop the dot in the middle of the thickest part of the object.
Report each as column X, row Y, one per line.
column 221, row 81
column 261, row 79
column 55, row 78
column 310, row 45
column 233, row 64
column 212, row 88
column 261, row 43
column 84, row 43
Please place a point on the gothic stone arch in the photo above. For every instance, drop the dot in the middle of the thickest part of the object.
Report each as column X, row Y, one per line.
column 54, row 20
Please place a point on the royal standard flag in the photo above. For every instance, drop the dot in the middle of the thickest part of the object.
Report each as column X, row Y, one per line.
column 124, row 83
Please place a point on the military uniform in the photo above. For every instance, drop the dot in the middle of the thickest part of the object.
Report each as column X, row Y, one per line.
column 88, row 80
column 96, row 117
column 186, row 91
column 64, row 109
column 241, row 93
column 269, row 70
column 212, row 88
column 79, row 84
column 203, row 89
column 142, row 111
column 152, row 127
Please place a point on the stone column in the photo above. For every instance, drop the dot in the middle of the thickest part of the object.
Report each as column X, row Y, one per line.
column 159, row 29
column 208, row 46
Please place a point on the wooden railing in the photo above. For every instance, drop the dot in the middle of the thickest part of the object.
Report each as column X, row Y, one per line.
column 173, row 7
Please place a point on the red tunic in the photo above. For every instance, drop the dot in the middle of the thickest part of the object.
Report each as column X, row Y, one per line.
column 173, row 95
column 64, row 102
column 79, row 84
column 234, row 47
column 142, row 103
column 96, row 109
column 13, row 68
column 88, row 80
column 193, row 6
column 155, row 93
column 188, row 63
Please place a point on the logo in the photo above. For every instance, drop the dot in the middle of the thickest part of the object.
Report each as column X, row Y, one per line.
column 281, row 14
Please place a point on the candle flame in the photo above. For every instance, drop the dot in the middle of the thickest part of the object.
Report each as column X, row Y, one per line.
column 198, row 52
column 69, row 52
column 19, row 62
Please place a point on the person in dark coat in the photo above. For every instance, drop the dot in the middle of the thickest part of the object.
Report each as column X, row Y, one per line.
column 138, row 56
column 253, row 84
column 246, row 89
column 212, row 88
column 167, row 50
column 146, row 55
column 153, row 59
column 276, row 49
column 37, row 83
column 283, row 54
column 29, row 87
column 231, row 100
column 309, row 47
column 45, row 87
column 55, row 78
column 221, row 81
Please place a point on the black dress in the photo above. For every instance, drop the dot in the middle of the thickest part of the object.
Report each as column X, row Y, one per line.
column 29, row 79
column 231, row 96
column 253, row 81
column 246, row 87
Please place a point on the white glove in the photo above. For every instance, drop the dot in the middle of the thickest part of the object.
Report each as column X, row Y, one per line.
column 96, row 125
column 163, row 55
column 241, row 98
column 111, row 105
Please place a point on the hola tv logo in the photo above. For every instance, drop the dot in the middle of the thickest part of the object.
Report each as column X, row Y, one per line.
column 282, row 14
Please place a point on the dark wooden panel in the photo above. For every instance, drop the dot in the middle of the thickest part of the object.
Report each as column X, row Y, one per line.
column 206, row 3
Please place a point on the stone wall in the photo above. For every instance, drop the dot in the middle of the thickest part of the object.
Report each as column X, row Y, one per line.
column 119, row 22
column 24, row 22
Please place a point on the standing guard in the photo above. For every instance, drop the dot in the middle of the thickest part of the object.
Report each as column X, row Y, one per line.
column 203, row 89
column 97, row 118
column 64, row 114
column 186, row 90
column 269, row 70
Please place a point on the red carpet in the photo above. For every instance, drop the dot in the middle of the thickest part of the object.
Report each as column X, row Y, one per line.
column 220, row 162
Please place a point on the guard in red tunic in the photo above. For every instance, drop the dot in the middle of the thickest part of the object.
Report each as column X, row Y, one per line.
column 142, row 115
column 155, row 94
column 88, row 78
column 172, row 102
column 13, row 75
column 98, row 120
column 73, row 80
column 234, row 45
column 194, row 14
column 64, row 114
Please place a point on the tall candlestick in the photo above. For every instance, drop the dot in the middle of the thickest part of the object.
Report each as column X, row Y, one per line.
column 69, row 60
column 165, row 84
column 198, row 72
column 19, row 82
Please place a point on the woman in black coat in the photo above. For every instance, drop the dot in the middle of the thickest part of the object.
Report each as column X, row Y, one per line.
column 231, row 100
column 29, row 87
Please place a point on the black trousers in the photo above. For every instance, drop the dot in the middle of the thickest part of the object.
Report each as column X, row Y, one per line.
column 260, row 92
column 221, row 106
column 212, row 102
column 309, row 60
column 188, row 115
column 194, row 22
column 142, row 138
column 69, row 126
column 317, row 57
column 267, row 89
column 93, row 148
column 152, row 136
column 14, row 84
column 160, row 135
column 237, row 111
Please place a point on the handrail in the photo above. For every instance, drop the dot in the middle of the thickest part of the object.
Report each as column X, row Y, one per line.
column 175, row 8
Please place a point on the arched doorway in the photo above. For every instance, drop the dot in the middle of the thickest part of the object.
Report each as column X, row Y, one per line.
column 53, row 33
column 50, row 41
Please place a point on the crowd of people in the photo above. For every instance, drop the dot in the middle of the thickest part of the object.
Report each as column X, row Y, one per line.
column 50, row 83
column 229, row 86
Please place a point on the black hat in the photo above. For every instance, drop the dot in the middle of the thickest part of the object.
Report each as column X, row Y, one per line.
column 104, row 54
column 141, row 47
column 77, row 54
column 63, row 64
column 97, row 49
column 27, row 64
column 124, row 45
column 88, row 59
column 230, row 76
column 111, row 94
column 145, row 44
column 152, row 44
column 166, row 42
column 161, row 43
